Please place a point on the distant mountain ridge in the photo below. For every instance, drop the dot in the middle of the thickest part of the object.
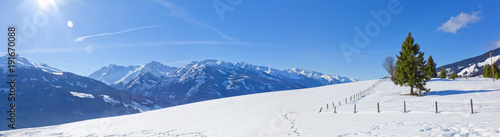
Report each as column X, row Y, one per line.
column 208, row 79
column 48, row 96
column 470, row 65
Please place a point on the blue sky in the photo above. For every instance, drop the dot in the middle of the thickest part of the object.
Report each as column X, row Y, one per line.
column 304, row 34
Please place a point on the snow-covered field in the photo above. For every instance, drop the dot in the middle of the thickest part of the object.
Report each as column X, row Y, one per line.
column 295, row 113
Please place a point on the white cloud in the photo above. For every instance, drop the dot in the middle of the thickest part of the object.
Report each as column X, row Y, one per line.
column 459, row 21
column 496, row 44
column 80, row 39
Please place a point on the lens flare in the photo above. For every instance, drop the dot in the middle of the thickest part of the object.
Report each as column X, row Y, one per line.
column 45, row 3
column 70, row 24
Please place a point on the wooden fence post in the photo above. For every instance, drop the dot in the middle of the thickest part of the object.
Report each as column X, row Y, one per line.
column 354, row 108
column 339, row 103
column 334, row 109
column 320, row 109
column 333, row 104
column 378, row 108
column 436, row 107
column 346, row 100
column 326, row 105
column 405, row 105
column 471, row 108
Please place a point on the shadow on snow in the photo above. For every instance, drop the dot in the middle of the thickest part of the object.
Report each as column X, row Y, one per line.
column 441, row 80
column 456, row 92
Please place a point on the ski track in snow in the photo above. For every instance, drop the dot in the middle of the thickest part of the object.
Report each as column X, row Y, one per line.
column 170, row 133
column 455, row 129
column 289, row 117
column 151, row 133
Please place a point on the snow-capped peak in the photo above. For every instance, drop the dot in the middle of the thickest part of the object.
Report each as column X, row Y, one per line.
column 115, row 74
column 22, row 62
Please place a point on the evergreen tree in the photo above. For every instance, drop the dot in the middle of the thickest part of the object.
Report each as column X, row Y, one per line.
column 495, row 70
column 410, row 66
column 486, row 71
column 454, row 75
column 430, row 69
column 442, row 73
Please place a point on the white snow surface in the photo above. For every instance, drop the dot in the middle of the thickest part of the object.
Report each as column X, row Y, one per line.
column 469, row 70
column 296, row 113
column 114, row 74
column 81, row 95
column 488, row 61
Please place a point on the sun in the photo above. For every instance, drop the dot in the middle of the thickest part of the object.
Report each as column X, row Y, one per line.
column 70, row 23
column 43, row 4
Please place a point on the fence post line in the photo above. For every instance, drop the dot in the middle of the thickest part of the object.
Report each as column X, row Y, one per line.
column 471, row 107
column 436, row 107
column 378, row 108
column 404, row 102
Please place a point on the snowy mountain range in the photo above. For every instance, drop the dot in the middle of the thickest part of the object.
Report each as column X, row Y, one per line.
column 472, row 65
column 48, row 96
column 208, row 79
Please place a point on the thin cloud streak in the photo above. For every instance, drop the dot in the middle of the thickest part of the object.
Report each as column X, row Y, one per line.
column 181, row 43
column 97, row 46
column 51, row 50
column 182, row 13
column 210, row 28
column 80, row 39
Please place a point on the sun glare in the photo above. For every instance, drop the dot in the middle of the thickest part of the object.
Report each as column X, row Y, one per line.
column 70, row 24
column 45, row 3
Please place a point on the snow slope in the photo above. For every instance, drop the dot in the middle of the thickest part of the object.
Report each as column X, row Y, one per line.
column 295, row 113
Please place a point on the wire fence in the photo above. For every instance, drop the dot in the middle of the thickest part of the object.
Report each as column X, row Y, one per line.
column 421, row 107
column 351, row 98
column 467, row 106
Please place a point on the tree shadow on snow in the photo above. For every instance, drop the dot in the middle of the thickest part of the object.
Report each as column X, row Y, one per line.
column 456, row 92
column 441, row 80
